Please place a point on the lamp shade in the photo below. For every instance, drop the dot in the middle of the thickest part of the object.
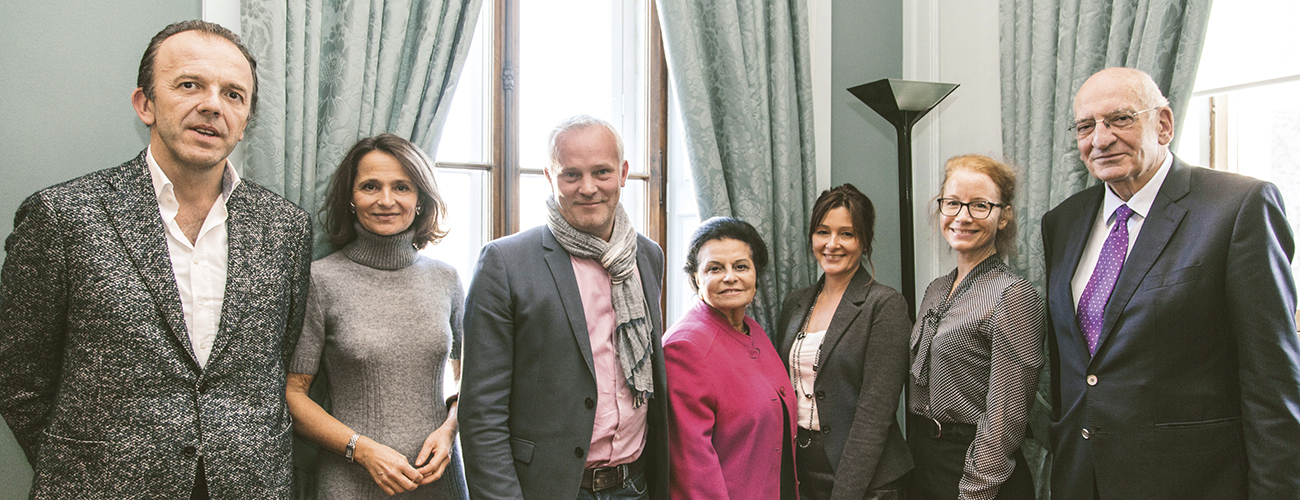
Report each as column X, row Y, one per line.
column 894, row 99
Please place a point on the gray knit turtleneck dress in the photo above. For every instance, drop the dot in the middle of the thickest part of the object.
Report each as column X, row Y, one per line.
column 381, row 323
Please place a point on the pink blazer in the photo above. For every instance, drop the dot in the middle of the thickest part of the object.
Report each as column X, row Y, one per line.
column 731, row 409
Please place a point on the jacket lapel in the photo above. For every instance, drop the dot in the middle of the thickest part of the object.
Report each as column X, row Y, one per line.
column 132, row 210
column 1156, row 231
column 243, row 239
column 847, row 311
column 566, row 283
column 1062, row 293
column 651, row 288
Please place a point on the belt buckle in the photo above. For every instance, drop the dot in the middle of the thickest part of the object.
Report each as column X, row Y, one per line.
column 604, row 478
column 937, row 431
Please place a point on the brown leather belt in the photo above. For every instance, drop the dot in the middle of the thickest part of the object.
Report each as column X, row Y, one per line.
column 605, row 478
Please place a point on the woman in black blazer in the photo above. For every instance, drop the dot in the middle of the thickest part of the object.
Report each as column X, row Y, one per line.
column 845, row 343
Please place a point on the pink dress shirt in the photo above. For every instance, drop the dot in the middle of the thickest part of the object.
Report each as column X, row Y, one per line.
column 620, row 431
column 732, row 414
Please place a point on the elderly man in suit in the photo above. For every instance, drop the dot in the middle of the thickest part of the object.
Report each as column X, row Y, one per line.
column 564, row 390
column 1175, row 360
column 149, row 309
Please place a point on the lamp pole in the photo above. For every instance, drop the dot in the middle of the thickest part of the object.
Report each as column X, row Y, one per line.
column 903, row 103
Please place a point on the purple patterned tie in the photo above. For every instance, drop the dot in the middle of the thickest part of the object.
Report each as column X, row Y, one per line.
column 1092, row 304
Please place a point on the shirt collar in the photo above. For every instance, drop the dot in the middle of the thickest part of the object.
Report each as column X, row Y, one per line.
column 1142, row 200
column 162, row 186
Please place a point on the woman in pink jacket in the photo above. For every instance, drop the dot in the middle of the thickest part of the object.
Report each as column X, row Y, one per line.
column 732, row 418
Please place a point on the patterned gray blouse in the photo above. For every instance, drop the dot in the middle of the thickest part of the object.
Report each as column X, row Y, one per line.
column 976, row 356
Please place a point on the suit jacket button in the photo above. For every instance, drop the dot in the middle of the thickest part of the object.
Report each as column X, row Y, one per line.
column 1086, row 434
column 577, row 452
column 826, row 429
column 1092, row 380
column 590, row 404
column 191, row 451
column 821, row 394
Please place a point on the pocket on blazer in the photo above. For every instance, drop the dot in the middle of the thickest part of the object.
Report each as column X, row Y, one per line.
column 57, row 453
column 1198, row 423
column 1175, row 277
column 522, row 449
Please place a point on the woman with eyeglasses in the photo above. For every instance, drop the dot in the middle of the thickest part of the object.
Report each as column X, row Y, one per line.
column 976, row 348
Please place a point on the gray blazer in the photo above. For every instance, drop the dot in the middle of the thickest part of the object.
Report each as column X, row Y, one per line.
column 863, row 369
column 527, row 404
column 97, row 377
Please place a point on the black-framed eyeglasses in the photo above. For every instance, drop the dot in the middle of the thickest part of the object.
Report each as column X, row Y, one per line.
column 976, row 209
column 1116, row 120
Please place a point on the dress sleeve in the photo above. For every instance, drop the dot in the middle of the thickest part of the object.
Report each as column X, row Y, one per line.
column 1016, row 329
column 306, row 357
column 695, row 471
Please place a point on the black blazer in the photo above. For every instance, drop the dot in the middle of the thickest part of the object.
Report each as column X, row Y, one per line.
column 864, row 367
column 97, row 377
column 529, row 388
column 1194, row 391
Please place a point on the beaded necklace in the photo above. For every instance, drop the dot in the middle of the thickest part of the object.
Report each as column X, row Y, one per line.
column 798, row 371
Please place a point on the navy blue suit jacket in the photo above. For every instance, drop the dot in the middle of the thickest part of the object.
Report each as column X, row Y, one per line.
column 1194, row 391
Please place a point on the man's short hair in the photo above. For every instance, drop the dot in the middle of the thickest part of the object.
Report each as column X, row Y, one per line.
column 144, row 79
column 577, row 123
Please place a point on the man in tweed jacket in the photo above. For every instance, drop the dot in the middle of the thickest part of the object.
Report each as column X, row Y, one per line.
column 149, row 309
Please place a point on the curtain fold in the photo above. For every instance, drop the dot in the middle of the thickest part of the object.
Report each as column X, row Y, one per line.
column 741, row 70
column 333, row 72
column 1048, row 49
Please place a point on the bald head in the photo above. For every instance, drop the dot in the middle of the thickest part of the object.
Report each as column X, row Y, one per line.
column 1134, row 83
column 1124, row 127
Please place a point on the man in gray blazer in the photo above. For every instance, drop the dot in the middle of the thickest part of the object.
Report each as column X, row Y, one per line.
column 564, row 392
column 149, row 309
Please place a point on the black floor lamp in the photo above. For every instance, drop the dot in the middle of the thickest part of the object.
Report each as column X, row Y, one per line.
column 903, row 102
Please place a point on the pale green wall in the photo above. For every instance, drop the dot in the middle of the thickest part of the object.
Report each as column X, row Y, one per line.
column 67, row 69
column 868, row 46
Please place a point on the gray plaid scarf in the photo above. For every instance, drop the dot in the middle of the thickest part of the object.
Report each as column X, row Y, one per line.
column 618, row 257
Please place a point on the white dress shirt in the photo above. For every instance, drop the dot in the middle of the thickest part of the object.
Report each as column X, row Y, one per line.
column 1140, row 203
column 199, row 267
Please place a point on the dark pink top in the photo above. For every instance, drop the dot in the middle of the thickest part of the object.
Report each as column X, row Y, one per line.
column 731, row 409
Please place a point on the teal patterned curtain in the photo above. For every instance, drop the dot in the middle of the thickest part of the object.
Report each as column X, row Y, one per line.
column 741, row 70
column 1048, row 49
column 332, row 72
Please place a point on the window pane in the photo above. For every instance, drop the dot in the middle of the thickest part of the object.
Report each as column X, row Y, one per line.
column 468, row 216
column 581, row 57
column 533, row 190
column 683, row 214
column 467, row 129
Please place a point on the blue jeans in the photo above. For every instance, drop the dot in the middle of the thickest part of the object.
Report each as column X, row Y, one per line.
column 634, row 488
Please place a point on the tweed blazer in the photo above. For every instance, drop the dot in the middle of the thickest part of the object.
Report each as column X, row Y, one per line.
column 98, row 380
column 528, row 395
column 863, row 369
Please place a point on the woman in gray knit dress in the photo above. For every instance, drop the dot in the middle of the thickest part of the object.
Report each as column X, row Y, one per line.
column 382, row 321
